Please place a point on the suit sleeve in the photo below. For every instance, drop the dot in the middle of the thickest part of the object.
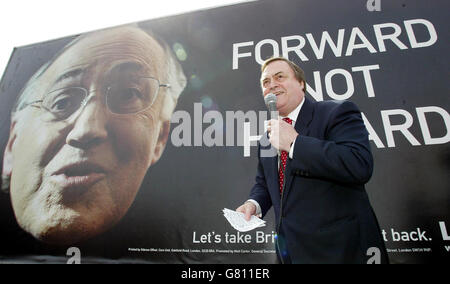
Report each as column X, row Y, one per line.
column 343, row 155
column 259, row 191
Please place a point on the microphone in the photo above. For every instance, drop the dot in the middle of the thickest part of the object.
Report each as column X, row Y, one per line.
column 271, row 103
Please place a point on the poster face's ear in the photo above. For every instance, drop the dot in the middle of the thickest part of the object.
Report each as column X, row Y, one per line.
column 7, row 156
column 162, row 141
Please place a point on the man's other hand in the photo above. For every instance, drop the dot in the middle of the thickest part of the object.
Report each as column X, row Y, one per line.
column 248, row 209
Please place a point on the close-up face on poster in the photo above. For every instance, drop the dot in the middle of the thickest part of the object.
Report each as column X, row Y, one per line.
column 326, row 124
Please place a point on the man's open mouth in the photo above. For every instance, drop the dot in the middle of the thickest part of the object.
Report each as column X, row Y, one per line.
column 80, row 175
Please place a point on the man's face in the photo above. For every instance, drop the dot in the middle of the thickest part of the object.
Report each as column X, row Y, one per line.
column 279, row 78
column 73, row 179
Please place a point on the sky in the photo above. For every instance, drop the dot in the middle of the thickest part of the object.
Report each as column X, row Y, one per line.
column 24, row 22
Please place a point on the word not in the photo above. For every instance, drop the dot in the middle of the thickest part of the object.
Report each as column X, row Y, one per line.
column 357, row 40
column 317, row 91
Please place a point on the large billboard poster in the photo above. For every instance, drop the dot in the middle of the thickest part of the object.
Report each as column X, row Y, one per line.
column 125, row 144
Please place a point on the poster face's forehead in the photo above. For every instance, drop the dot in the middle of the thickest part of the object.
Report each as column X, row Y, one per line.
column 109, row 47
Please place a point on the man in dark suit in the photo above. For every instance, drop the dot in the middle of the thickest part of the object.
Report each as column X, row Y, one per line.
column 316, row 182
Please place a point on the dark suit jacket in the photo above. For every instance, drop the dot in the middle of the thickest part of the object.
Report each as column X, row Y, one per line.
column 324, row 214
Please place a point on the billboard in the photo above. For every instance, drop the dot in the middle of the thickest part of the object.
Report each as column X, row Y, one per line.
column 145, row 177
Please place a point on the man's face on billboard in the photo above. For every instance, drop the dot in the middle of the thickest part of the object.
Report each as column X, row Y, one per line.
column 77, row 166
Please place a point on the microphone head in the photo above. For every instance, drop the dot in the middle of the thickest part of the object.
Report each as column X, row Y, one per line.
column 270, row 99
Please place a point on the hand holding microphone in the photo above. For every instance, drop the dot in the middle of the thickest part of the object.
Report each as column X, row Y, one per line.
column 281, row 134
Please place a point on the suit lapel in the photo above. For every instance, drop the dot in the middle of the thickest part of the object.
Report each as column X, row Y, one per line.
column 305, row 116
column 302, row 127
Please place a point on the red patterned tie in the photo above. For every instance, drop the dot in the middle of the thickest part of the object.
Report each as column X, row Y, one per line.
column 283, row 158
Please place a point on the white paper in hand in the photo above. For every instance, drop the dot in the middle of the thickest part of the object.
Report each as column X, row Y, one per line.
column 237, row 221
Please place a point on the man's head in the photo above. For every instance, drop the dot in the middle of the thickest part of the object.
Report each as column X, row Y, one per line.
column 284, row 79
column 86, row 128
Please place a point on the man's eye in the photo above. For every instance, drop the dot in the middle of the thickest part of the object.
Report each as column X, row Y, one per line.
column 65, row 104
column 129, row 94
column 126, row 100
column 61, row 104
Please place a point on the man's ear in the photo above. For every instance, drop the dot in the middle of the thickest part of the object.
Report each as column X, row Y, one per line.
column 7, row 155
column 302, row 85
column 162, row 141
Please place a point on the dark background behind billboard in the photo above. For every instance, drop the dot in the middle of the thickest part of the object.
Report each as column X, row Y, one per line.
column 188, row 188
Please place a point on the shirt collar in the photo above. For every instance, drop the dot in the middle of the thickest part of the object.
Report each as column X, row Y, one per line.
column 294, row 114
